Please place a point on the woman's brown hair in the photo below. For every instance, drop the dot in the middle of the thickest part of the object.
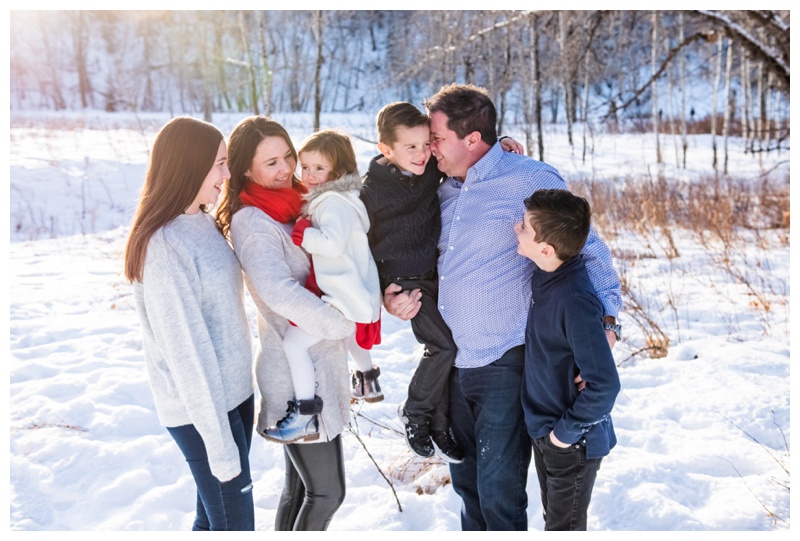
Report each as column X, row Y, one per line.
column 336, row 147
column 242, row 145
column 183, row 154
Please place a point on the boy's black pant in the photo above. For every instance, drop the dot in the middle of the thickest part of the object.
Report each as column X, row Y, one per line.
column 566, row 480
column 428, row 391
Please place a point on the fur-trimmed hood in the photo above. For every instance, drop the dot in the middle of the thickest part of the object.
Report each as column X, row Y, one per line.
column 346, row 188
column 344, row 183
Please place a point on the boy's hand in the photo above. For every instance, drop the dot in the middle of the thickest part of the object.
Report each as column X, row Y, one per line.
column 402, row 304
column 511, row 145
column 298, row 231
column 579, row 382
column 555, row 441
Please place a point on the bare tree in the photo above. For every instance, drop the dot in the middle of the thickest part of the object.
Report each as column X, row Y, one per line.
column 318, row 68
column 654, row 92
column 726, row 119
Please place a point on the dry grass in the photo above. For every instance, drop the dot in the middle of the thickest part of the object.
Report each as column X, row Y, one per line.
column 641, row 218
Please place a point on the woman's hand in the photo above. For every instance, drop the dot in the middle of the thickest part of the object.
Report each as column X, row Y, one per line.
column 402, row 304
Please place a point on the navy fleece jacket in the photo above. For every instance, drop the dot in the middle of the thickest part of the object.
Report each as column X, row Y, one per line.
column 564, row 338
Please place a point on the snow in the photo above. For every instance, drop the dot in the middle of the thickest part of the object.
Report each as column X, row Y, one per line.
column 703, row 433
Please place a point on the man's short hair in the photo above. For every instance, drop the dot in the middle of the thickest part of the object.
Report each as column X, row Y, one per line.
column 396, row 114
column 561, row 219
column 468, row 108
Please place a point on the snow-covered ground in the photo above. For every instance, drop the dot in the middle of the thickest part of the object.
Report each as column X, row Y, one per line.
column 703, row 433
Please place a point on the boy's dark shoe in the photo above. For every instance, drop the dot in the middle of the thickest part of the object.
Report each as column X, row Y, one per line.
column 446, row 447
column 417, row 434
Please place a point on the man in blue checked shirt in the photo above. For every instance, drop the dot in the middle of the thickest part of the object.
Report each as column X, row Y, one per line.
column 484, row 294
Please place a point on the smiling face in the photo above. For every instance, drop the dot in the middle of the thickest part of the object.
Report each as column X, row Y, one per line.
column 451, row 152
column 273, row 164
column 315, row 168
column 212, row 185
column 411, row 149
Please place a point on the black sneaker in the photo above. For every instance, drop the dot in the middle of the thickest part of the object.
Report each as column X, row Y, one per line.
column 446, row 447
column 419, row 440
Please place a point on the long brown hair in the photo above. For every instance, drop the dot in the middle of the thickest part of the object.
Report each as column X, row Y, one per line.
column 336, row 147
column 183, row 153
column 242, row 145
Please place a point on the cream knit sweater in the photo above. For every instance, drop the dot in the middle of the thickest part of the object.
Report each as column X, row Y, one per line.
column 275, row 271
column 197, row 341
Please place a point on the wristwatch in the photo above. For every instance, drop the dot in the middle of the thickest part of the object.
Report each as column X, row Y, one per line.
column 613, row 327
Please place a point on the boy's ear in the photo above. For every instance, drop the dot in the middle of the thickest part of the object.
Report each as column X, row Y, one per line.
column 385, row 149
column 548, row 250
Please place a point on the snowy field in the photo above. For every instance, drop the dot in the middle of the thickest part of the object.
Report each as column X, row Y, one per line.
column 703, row 433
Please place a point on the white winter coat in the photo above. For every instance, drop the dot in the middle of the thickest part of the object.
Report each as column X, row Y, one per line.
column 337, row 242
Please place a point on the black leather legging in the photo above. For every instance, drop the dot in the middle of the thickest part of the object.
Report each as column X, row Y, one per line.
column 314, row 486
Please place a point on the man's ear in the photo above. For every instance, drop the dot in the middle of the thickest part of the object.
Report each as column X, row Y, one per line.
column 473, row 139
column 385, row 149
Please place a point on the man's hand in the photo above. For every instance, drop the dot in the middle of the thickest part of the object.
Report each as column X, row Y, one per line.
column 612, row 338
column 402, row 304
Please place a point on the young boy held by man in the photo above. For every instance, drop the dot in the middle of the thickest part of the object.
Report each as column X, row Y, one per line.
column 569, row 424
column 399, row 192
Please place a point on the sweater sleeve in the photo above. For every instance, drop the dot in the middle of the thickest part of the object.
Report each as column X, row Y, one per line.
column 597, row 258
column 597, row 368
column 263, row 259
column 181, row 334
column 336, row 220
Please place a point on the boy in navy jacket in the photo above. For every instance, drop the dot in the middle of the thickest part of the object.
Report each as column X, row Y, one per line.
column 569, row 424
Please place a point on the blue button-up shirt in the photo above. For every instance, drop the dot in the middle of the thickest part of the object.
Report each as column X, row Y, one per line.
column 484, row 285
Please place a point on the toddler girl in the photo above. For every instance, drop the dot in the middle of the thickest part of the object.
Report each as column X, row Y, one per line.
column 343, row 272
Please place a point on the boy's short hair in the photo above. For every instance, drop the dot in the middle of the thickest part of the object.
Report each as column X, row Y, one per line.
column 396, row 114
column 560, row 219
column 468, row 108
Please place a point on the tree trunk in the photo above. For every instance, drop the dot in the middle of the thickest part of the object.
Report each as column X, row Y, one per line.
column 318, row 69
column 715, row 96
column 682, row 78
column 266, row 72
column 726, row 120
column 654, row 68
column 251, row 68
column 537, row 84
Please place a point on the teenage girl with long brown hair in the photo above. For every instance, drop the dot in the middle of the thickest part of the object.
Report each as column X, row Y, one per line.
column 189, row 295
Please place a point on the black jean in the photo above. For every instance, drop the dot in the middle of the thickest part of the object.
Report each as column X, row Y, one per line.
column 428, row 391
column 566, row 480
column 314, row 486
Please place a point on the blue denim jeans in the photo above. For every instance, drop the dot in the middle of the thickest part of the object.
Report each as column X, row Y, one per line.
column 488, row 424
column 221, row 506
column 566, row 478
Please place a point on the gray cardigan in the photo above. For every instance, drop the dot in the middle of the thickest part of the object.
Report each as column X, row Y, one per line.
column 197, row 340
column 275, row 271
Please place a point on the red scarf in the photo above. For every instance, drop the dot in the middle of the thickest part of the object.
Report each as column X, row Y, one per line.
column 282, row 205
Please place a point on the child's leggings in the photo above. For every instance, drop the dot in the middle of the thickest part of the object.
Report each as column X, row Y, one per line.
column 296, row 343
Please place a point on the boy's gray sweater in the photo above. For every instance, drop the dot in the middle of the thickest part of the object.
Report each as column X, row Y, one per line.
column 275, row 271
column 197, row 340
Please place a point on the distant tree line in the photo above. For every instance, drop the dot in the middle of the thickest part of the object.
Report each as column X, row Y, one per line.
column 646, row 70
